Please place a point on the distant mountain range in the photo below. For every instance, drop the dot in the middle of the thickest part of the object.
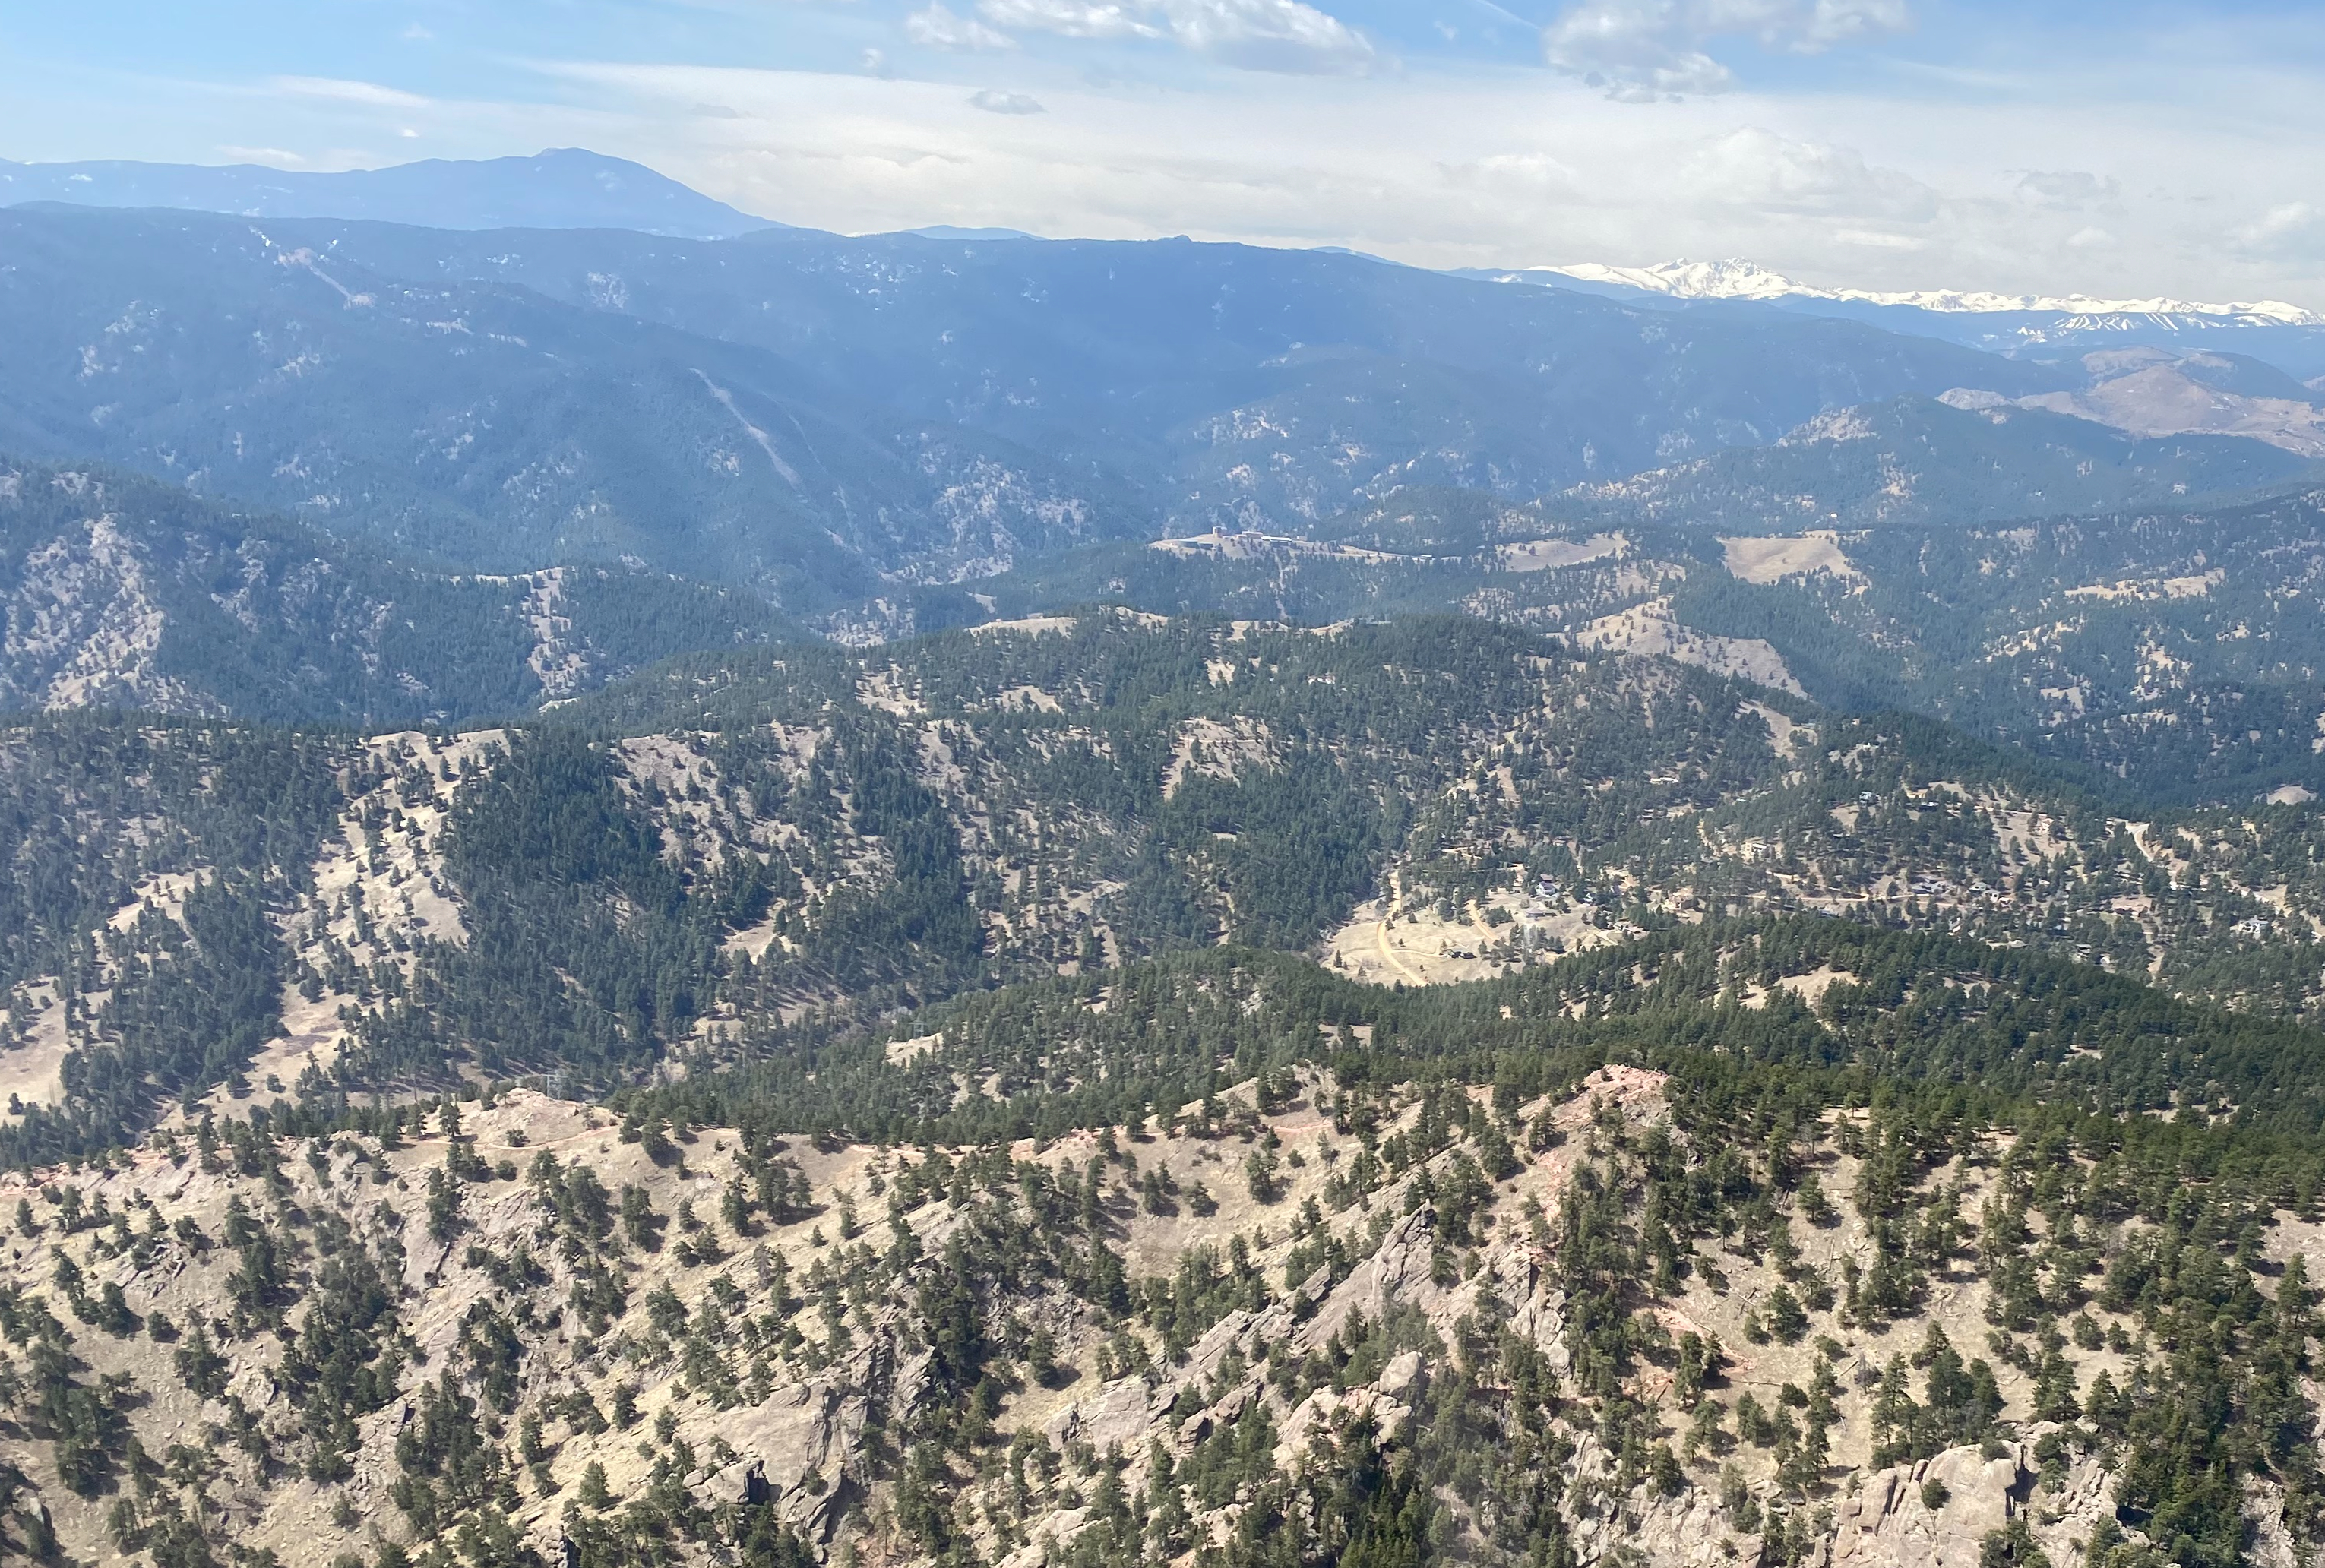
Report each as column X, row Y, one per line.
column 484, row 425
column 416, row 473
column 1931, row 461
column 564, row 188
column 1735, row 278
column 824, row 418
column 2289, row 336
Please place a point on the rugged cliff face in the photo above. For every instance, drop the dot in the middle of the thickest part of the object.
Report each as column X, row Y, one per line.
column 1306, row 1320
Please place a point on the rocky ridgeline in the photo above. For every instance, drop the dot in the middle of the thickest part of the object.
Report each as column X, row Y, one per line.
column 542, row 1333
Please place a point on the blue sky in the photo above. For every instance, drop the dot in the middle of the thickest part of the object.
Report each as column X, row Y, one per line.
column 2117, row 148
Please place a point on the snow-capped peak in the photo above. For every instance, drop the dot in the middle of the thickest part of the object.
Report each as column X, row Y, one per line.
column 1735, row 278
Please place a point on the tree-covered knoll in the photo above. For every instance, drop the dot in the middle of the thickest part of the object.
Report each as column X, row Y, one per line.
column 1920, row 462
column 2084, row 1179
column 2002, row 1030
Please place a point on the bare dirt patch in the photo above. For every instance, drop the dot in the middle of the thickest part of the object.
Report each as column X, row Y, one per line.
column 1388, row 943
column 1550, row 555
column 30, row 1072
column 1649, row 629
column 1211, row 749
column 1810, row 987
column 1765, row 560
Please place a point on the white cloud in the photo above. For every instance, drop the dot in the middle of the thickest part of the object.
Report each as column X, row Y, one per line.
column 1446, row 168
column 1876, row 239
column 1523, row 175
column 1640, row 51
column 994, row 103
column 338, row 90
column 2291, row 230
column 1275, row 35
column 2069, row 190
column 1283, row 35
column 1840, row 21
column 1073, row 18
column 939, row 28
column 1634, row 49
column 2190, row 134
column 273, row 157
column 1758, row 169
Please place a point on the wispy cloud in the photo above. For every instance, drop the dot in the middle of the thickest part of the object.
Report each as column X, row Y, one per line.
column 273, row 157
column 1763, row 173
column 1994, row 148
column 1273, row 35
column 938, row 27
column 341, row 90
column 2292, row 230
column 999, row 102
column 2069, row 190
column 1075, row 18
column 1466, row 170
column 1640, row 51
column 1283, row 35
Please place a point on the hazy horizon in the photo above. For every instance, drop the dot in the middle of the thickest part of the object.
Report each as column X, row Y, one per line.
column 1874, row 144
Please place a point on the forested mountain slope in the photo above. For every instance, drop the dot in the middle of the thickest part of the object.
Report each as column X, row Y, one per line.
column 1235, row 384
column 1924, row 461
column 1763, row 1013
column 698, row 862
column 1639, row 1258
column 486, row 424
column 1040, row 1120
column 2175, row 648
column 121, row 591
column 815, row 414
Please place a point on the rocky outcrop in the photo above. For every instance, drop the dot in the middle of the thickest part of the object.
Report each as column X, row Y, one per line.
column 1686, row 1531
column 2273, row 1544
column 1114, row 1419
column 1398, row 1272
column 1933, row 1514
column 1937, row 1513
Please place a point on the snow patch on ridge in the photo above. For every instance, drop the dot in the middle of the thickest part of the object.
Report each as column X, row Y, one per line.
column 1735, row 278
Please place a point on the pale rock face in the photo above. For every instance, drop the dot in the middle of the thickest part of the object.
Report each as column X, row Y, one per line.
column 1890, row 1524
column 803, row 1449
column 1116, row 1418
column 2272, row 1545
column 1688, row 1531
column 1312, row 1425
